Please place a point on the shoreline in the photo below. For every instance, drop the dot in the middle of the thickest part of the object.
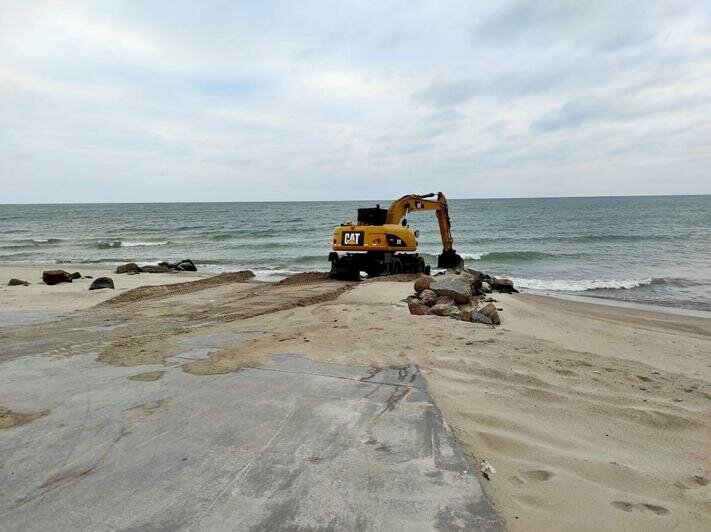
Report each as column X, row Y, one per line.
column 6, row 269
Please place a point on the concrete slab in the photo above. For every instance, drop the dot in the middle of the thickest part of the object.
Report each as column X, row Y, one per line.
column 297, row 445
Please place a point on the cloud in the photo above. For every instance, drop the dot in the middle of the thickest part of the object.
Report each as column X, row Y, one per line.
column 285, row 101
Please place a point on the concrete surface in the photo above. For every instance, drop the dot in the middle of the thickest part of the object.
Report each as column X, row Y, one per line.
column 297, row 445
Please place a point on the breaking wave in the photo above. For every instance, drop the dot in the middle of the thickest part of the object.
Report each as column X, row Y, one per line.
column 566, row 285
column 510, row 256
column 103, row 244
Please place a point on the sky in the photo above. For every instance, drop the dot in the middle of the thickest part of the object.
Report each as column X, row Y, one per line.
column 123, row 101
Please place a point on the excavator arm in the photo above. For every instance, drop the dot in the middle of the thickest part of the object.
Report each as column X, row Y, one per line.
column 413, row 203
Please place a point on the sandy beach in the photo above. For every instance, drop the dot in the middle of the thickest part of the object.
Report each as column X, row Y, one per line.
column 594, row 417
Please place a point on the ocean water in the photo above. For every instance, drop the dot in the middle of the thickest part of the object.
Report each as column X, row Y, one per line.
column 654, row 250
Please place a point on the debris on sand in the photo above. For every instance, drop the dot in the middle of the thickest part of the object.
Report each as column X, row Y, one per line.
column 148, row 376
column 487, row 470
column 9, row 418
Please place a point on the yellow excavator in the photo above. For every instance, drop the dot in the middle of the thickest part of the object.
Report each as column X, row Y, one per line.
column 379, row 241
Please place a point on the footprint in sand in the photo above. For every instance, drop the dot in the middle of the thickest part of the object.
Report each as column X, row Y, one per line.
column 538, row 475
column 640, row 507
column 690, row 483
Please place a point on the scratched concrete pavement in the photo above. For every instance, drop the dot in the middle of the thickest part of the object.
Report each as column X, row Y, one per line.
column 296, row 445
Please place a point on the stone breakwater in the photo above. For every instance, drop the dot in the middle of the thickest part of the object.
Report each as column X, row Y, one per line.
column 463, row 294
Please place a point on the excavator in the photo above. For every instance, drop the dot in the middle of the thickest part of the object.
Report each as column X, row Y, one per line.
column 379, row 241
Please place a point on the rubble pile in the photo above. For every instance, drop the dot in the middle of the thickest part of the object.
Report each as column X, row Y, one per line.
column 458, row 293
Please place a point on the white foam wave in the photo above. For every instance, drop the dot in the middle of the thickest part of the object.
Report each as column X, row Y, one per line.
column 579, row 285
column 141, row 244
column 472, row 256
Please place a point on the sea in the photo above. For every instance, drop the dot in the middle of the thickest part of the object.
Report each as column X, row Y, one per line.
column 652, row 250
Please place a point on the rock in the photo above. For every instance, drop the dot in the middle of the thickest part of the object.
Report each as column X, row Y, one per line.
column 490, row 312
column 503, row 285
column 464, row 311
column 445, row 310
column 417, row 307
column 186, row 266
column 473, row 277
column 88, row 277
column 18, row 282
column 422, row 283
column 444, row 300
column 51, row 277
column 131, row 267
column 102, row 282
column 455, row 286
column 485, row 287
column 428, row 297
column 477, row 317
column 76, row 275
column 156, row 269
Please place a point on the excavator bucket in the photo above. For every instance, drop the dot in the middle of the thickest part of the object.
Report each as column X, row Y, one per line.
column 449, row 259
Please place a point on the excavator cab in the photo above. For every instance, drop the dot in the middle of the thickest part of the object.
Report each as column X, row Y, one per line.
column 380, row 241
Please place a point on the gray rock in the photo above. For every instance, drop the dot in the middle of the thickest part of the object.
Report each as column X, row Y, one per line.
column 485, row 287
column 503, row 285
column 455, row 286
column 477, row 317
column 76, row 275
column 18, row 282
column 156, row 269
column 131, row 267
column 490, row 312
column 428, row 297
column 102, row 282
column 445, row 310
column 52, row 277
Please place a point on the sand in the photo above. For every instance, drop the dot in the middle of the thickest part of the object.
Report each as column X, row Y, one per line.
column 75, row 295
column 595, row 417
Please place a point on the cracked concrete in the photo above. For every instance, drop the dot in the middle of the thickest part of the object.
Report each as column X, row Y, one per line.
column 298, row 445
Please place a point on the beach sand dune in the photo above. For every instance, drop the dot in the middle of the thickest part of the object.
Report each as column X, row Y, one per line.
column 595, row 418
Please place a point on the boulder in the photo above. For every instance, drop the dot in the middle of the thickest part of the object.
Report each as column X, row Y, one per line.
column 445, row 310
column 503, row 285
column 102, row 282
column 490, row 312
column 51, row 277
column 428, row 297
column 475, row 316
column 131, row 267
column 422, row 283
column 186, row 266
column 18, row 282
column 417, row 307
column 455, row 286
column 485, row 287
column 156, row 269
column 444, row 300
column 464, row 311
column 76, row 275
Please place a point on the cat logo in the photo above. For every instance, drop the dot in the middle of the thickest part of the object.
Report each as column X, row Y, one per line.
column 352, row 238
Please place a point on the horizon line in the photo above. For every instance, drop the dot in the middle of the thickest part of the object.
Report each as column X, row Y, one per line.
column 363, row 200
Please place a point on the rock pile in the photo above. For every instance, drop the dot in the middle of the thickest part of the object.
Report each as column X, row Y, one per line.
column 457, row 294
column 132, row 268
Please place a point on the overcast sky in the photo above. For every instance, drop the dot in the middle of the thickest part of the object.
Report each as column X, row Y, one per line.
column 237, row 101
